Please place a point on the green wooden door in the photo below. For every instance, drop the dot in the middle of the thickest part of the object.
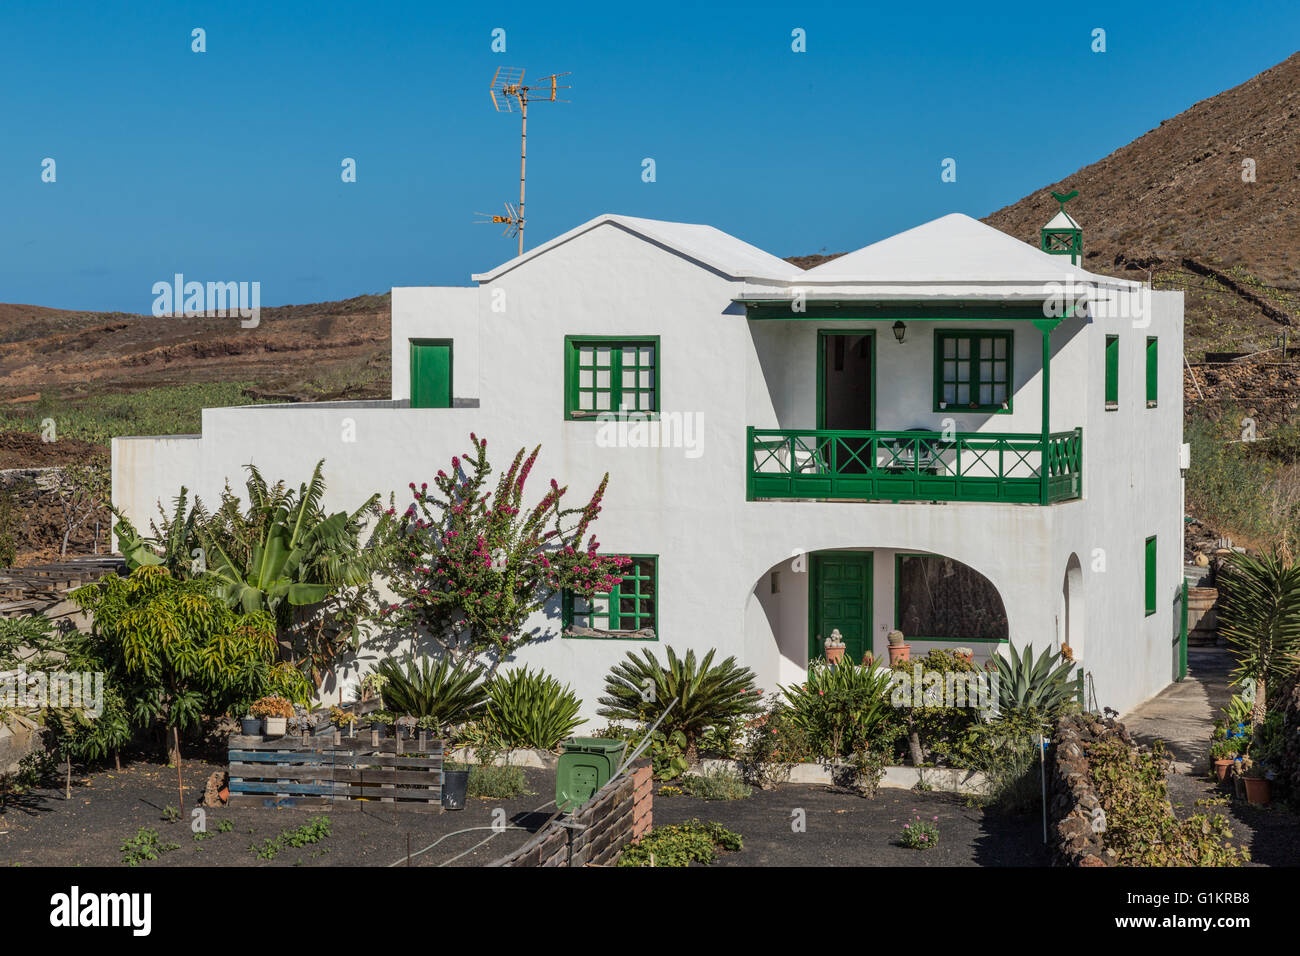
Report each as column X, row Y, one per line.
column 431, row 373
column 841, row 599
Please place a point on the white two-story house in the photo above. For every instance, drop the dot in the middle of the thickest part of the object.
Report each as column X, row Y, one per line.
column 948, row 432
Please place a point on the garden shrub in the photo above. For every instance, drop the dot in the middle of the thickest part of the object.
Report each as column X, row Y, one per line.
column 1141, row 826
column 719, row 784
column 935, row 733
column 681, row 844
column 441, row 693
column 527, row 708
column 706, row 694
column 843, row 709
column 773, row 745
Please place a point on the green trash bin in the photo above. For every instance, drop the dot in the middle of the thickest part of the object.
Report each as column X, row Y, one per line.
column 585, row 765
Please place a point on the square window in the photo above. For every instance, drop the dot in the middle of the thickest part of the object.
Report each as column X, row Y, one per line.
column 973, row 370
column 629, row 611
column 606, row 375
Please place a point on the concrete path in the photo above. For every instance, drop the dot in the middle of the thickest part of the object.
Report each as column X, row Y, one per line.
column 1183, row 715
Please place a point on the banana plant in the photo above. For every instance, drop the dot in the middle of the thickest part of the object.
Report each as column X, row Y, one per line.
column 291, row 552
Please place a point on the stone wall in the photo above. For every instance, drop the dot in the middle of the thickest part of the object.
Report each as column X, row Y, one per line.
column 1076, row 830
column 620, row 813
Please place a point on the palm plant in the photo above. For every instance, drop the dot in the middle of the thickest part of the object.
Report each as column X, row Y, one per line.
column 706, row 694
column 286, row 556
column 447, row 692
column 528, row 708
column 1260, row 620
column 1039, row 684
column 171, row 546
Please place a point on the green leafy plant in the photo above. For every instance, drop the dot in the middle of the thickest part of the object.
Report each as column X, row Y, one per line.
column 170, row 813
column 1141, row 826
column 174, row 649
column 706, row 694
column 1260, row 620
column 773, row 745
column 719, row 784
column 313, row 831
column 681, row 844
column 1039, row 684
column 843, row 708
column 492, row 782
column 919, row 834
column 145, row 845
column 528, row 708
column 668, row 754
column 446, row 691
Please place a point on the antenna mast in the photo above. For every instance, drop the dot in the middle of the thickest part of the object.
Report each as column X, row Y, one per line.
column 508, row 94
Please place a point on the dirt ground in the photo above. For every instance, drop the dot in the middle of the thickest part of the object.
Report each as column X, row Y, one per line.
column 844, row 829
column 109, row 807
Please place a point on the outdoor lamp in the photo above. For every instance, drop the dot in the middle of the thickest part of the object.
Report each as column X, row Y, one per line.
column 899, row 331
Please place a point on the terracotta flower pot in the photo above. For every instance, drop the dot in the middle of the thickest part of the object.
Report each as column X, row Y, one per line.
column 899, row 653
column 835, row 654
column 1221, row 769
column 1258, row 790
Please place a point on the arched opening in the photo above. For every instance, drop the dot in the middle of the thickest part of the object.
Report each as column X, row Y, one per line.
column 1070, row 616
column 863, row 593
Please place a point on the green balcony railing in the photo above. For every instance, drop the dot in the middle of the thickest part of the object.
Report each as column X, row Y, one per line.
column 914, row 465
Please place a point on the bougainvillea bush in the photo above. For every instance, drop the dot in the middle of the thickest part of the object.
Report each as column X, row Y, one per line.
column 470, row 564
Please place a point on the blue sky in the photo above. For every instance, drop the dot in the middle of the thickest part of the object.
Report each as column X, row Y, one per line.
column 225, row 165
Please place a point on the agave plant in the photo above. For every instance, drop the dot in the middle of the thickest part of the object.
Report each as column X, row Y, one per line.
column 447, row 692
column 1260, row 620
column 1042, row 684
column 705, row 694
column 530, row 709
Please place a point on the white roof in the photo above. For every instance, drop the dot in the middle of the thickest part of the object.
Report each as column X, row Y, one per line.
column 705, row 244
column 1062, row 220
column 953, row 250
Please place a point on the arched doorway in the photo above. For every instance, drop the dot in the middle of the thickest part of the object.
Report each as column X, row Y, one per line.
column 1070, row 623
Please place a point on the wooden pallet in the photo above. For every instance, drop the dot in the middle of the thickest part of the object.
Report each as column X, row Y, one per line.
column 336, row 771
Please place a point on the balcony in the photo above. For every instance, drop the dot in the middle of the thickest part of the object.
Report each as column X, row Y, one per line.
column 914, row 465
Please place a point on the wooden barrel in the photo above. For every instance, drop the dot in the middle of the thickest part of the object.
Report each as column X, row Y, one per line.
column 1202, row 615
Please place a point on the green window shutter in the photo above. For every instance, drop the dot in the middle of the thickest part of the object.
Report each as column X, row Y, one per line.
column 972, row 370
column 629, row 610
column 1112, row 371
column 1152, row 369
column 1150, row 579
column 608, row 374
column 431, row 373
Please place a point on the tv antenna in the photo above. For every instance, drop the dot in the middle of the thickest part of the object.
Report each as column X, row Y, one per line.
column 508, row 95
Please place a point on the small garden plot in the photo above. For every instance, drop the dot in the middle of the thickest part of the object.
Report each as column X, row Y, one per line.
column 133, row 817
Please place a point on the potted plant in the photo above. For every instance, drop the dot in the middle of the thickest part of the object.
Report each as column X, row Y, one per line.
column 276, row 711
column 1222, row 753
column 380, row 721
column 966, row 654
column 344, row 720
column 834, row 647
column 406, row 726
column 1258, row 788
column 899, row 652
column 250, row 726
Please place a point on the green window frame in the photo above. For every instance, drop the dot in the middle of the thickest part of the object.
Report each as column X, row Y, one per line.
column 973, row 371
column 1149, row 556
column 1152, row 371
column 629, row 612
column 1112, row 372
column 608, row 374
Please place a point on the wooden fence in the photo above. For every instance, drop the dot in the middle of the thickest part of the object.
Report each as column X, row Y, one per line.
column 336, row 771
